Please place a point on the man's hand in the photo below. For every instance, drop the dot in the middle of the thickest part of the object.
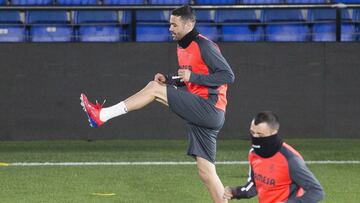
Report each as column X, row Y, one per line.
column 227, row 193
column 184, row 75
column 160, row 78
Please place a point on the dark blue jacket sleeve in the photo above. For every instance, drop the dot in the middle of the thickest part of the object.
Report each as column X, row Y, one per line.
column 171, row 81
column 246, row 191
column 219, row 70
column 303, row 177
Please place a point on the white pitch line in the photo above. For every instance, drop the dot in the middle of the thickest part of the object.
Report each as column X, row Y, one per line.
column 154, row 163
column 332, row 162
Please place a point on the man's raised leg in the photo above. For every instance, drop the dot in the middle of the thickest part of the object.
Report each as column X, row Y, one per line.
column 208, row 175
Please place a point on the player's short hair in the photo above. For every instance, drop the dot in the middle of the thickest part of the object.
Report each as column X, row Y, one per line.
column 269, row 118
column 185, row 12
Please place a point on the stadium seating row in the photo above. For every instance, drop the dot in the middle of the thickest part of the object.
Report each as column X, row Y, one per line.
column 254, row 15
column 259, row 25
column 219, row 25
column 166, row 2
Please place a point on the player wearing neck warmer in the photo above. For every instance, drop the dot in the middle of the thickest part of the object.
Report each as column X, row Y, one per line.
column 277, row 172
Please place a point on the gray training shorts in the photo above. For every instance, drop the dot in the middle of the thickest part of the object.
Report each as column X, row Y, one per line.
column 204, row 121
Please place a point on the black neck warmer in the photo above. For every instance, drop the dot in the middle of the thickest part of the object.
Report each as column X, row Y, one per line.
column 266, row 146
column 188, row 38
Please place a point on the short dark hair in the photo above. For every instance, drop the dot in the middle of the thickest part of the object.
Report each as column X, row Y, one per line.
column 185, row 12
column 268, row 117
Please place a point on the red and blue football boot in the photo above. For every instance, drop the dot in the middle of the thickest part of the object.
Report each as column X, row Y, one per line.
column 92, row 111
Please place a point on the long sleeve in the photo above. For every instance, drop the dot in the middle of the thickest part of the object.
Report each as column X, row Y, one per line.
column 303, row 177
column 220, row 71
column 246, row 191
column 171, row 81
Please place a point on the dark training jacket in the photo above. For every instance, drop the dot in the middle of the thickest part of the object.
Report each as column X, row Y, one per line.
column 210, row 72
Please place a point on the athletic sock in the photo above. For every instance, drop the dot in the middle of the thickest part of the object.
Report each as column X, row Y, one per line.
column 113, row 111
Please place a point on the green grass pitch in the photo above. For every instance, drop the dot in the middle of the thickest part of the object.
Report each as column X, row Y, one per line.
column 159, row 183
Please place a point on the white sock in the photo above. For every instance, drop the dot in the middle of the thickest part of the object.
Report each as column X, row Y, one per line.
column 112, row 111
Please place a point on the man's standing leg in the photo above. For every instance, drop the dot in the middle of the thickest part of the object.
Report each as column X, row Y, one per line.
column 204, row 124
column 208, row 175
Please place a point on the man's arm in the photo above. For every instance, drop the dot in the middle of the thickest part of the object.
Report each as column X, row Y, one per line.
column 220, row 71
column 246, row 191
column 303, row 177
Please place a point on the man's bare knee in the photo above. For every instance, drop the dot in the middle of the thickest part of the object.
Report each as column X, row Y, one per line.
column 206, row 169
column 154, row 86
column 151, row 85
column 204, row 175
column 157, row 90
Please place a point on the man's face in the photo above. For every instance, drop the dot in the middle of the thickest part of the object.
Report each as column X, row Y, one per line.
column 261, row 130
column 178, row 27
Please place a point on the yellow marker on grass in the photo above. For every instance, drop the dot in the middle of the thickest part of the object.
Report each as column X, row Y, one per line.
column 4, row 164
column 103, row 194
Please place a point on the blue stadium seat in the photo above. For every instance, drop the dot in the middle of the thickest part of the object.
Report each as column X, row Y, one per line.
column 316, row 15
column 2, row 2
column 204, row 16
column 152, row 33
column 102, row 33
column 242, row 33
column 101, row 26
column 31, row 2
column 285, row 25
column 262, row 1
column 327, row 32
column 324, row 32
column 348, row 26
column 287, row 32
column 152, row 25
column 10, row 17
column 49, row 26
column 237, row 16
column 207, row 2
column 209, row 31
column 77, row 2
column 356, row 19
column 240, row 25
column 306, row 1
column 348, row 32
column 206, row 24
column 83, row 17
column 153, row 16
column 12, row 34
column 324, row 28
column 356, row 15
column 283, row 15
column 50, row 33
column 123, row 2
column 11, row 27
column 47, row 17
column 171, row 2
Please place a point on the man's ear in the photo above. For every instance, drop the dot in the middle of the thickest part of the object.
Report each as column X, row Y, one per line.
column 190, row 25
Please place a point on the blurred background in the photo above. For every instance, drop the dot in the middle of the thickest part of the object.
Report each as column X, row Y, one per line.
column 298, row 58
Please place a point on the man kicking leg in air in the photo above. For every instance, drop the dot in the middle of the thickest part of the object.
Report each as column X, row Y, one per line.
column 205, row 73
